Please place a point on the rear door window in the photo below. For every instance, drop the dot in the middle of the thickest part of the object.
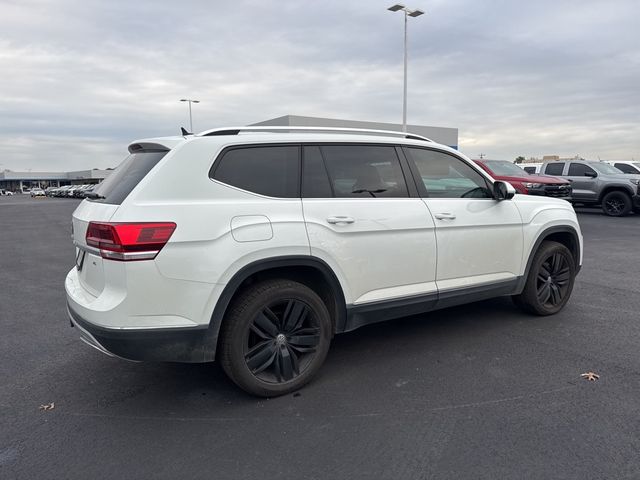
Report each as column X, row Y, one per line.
column 364, row 171
column 117, row 186
column 266, row 170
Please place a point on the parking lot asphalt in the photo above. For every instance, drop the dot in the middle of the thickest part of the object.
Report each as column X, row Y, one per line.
column 481, row 391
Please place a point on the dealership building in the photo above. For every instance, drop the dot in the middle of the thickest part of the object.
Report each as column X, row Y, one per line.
column 25, row 181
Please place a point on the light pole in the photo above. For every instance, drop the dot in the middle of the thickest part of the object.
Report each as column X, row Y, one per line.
column 190, row 117
column 407, row 13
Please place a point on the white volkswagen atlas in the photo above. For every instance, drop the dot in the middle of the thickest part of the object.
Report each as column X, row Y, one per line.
column 253, row 246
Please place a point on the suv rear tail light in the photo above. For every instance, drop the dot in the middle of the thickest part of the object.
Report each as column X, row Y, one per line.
column 129, row 241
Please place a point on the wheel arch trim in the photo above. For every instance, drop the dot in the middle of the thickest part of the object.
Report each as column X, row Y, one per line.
column 615, row 188
column 263, row 265
column 542, row 236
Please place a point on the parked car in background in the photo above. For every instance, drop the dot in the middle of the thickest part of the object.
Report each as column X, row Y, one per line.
column 273, row 241
column 88, row 189
column 524, row 182
column 5, row 192
column 599, row 184
column 626, row 166
column 71, row 190
column 62, row 191
column 532, row 168
column 82, row 191
column 37, row 192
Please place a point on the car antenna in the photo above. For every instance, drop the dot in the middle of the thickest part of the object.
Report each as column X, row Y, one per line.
column 184, row 132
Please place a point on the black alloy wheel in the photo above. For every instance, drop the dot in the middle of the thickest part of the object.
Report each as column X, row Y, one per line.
column 553, row 280
column 274, row 337
column 616, row 204
column 281, row 341
column 549, row 281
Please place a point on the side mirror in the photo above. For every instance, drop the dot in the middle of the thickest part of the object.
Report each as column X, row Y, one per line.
column 590, row 174
column 503, row 190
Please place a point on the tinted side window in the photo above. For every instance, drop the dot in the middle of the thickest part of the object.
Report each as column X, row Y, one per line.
column 554, row 168
column 315, row 181
column 365, row 171
column 117, row 186
column 531, row 170
column 270, row 171
column 445, row 176
column 579, row 170
column 626, row 168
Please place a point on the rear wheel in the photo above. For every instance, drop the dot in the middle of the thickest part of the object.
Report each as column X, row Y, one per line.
column 275, row 337
column 550, row 280
column 616, row 204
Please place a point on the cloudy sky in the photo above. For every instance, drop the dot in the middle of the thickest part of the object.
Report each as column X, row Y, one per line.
column 82, row 78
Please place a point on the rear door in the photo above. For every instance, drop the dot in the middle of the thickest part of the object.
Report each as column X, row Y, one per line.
column 479, row 239
column 362, row 220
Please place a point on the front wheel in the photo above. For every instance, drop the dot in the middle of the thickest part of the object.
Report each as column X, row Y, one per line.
column 616, row 204
column 275, row 337
column 549, row 281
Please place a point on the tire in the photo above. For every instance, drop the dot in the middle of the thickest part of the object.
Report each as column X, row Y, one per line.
column 549, row 281
column 275, row 337
column 616, row 204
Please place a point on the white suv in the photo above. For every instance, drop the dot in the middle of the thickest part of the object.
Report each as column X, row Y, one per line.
column 255, row 245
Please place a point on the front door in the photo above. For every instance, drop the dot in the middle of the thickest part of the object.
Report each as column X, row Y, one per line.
column 583, row 182
column 479, row 239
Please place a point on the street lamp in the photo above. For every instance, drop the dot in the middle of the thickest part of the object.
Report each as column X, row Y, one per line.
column 407, row 13
column 190, row 117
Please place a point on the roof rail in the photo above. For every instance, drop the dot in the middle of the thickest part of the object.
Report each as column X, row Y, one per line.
column 290, row 129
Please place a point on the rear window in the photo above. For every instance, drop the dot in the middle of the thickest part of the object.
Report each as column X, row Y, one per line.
column 117, row 186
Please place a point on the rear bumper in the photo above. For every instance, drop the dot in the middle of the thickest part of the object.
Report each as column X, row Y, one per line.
column 189, row 345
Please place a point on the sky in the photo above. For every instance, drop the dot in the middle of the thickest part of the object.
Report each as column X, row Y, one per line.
column 81, row 79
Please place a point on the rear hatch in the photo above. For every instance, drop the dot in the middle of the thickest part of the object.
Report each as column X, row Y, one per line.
column 100, row 206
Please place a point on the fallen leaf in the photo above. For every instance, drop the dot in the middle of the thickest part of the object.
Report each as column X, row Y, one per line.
column 49, row 406
column 592, row 377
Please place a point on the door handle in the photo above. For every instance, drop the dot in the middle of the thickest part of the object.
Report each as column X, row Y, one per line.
column 339, row 219
column 445, row 216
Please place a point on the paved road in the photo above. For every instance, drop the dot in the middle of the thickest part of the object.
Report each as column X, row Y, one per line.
column 479, row 392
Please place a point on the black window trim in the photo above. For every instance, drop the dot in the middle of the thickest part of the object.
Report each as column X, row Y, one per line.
column 216, row 164
column 417, row 178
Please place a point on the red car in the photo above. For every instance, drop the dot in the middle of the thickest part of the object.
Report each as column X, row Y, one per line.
column 527, row 183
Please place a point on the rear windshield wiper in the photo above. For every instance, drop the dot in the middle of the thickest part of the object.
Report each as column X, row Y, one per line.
column 95, row 196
